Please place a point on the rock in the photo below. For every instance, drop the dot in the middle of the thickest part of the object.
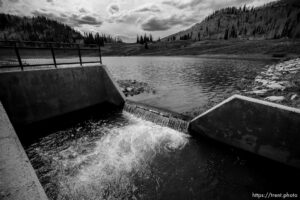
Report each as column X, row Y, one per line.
column 275, row 86
column 293, row 97
column 258, row 92
column 129, row 89
column 275, row 98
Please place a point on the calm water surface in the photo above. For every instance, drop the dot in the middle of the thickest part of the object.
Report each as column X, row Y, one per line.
column 185, row 83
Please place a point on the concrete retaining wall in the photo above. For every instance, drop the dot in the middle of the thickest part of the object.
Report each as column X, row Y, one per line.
column 34, row 95
column 18, row 180
column 264, row 128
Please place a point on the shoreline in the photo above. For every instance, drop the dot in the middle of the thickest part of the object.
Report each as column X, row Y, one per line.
column 279, row 83
column 210, row 56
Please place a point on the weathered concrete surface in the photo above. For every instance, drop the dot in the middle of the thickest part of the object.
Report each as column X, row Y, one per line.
column 18, row 180
column 34, row 95
column 261, row 127
column 113, row 92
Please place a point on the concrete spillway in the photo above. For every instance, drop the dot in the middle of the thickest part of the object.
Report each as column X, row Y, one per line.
column 28, row 97
column 157, row 116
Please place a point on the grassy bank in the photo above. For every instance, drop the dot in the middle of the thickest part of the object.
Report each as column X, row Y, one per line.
column 282, row 48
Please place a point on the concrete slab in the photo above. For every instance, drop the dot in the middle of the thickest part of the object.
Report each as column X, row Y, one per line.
column 264, row 128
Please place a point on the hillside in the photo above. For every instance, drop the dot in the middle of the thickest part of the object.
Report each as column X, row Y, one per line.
column 35, row 29
column 275, row 20
column 43, row 29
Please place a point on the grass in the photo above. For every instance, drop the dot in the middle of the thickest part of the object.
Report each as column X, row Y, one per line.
column 282, row 48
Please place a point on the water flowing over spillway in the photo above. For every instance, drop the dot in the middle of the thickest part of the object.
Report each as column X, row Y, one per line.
column 102, row 160
column 121, row 156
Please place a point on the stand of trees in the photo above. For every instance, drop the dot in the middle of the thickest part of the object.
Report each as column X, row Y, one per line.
column 90, row 38
column 144, row 39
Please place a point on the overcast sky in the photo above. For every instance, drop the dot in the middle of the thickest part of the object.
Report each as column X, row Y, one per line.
column 123, row 18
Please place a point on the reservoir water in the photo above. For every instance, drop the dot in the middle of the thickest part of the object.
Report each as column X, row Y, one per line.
column 119, row 156
column 184, row 84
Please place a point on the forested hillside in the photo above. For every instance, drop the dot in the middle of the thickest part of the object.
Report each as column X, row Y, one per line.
column 35, row 29
column 44, row 29
column 280, row 19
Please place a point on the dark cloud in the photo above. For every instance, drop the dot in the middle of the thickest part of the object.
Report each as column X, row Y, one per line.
column 82, row 10
column 152, row 8
column 49, row 1
column 206, row 4
column 161, row 24
column 181, row 5
column 90, row 20
column 113, row 8
column 73, row 20
column 1, row 3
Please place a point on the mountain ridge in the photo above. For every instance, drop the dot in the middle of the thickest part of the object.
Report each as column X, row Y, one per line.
column 279, row 19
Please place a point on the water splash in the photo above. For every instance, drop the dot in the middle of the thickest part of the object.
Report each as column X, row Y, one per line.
column 105, row 165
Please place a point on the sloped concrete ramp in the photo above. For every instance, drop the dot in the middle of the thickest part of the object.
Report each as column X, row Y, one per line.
column 267, row 129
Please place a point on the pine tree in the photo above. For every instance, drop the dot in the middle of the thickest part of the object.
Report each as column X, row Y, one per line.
column 141, row 40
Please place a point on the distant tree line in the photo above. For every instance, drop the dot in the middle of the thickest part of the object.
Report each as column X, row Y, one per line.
column 144, row 39
column 90, row 38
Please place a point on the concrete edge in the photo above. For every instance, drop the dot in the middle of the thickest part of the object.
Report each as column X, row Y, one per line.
column 18, row 178
column 48, row 67
column 115, row 85
column 249, row 99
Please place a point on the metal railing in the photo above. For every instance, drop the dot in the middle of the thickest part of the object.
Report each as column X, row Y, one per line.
column 32, row 53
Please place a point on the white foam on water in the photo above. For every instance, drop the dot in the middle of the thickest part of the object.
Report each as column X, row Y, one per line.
column 106, row 170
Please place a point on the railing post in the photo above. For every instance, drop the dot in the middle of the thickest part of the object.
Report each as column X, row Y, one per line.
column 79, row 54
column 53, row 55
column 18, row 56
column 100, row 55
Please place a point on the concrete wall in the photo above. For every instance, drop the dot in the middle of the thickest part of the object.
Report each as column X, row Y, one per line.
column 18, row 180
column 264, row 128
column 34, row 95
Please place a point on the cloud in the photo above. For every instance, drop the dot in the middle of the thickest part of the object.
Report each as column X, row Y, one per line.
column 73, row 20
column 182, row 5
column 90, row 20
column 207, row 4
column 50, row 1
column 155, row 23
column 113, row 8
column 1, row 3
column 134, row 15
column 82, row 10
column 148, row 8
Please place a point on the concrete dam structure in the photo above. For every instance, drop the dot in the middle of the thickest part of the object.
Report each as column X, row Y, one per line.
column 267, row 129
column 31, row 96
